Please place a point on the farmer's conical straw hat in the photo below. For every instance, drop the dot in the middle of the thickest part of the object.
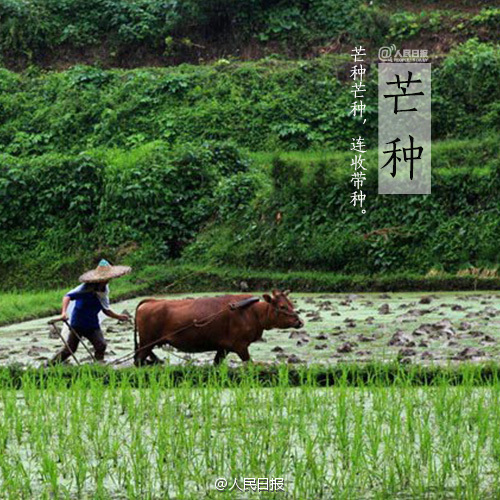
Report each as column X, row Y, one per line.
column 104, row 272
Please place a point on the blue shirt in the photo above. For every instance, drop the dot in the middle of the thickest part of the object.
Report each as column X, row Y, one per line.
column 86, row 310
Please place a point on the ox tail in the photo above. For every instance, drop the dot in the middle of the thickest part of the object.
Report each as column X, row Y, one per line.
column 136, row 343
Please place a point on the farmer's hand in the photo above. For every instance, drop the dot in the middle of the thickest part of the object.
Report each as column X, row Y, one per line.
column 123, row 317
column 62, row 317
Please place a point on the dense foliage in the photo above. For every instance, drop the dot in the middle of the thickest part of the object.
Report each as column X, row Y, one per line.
column 307, row 222
column 30, row 31
column 58, row 211
column 268, row 105
column 132, row 21
column 135, row 164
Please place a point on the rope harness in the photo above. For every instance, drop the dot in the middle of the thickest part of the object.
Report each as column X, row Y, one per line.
column 196, row 323
column 205, row 322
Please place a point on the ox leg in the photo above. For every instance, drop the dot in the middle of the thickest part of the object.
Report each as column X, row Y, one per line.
column 243, row 353
column 155, row 359
column 220, row 356
column 141, row 356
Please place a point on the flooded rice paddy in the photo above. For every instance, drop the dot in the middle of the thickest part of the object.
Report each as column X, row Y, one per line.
column 409, row 327
column 342, row 442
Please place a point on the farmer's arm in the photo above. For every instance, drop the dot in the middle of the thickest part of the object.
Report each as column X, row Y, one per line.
column 73, row 295
column 112, row 314
column 65, row 303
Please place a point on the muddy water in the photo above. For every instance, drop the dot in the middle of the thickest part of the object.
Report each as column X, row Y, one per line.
column 412, row 327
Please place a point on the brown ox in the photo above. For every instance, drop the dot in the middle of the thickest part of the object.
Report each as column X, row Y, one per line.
column 210, row 324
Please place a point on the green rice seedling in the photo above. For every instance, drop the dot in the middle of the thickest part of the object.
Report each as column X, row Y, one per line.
column 89, row 433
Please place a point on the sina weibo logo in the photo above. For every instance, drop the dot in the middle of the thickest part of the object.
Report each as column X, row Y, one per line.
column 394, row 55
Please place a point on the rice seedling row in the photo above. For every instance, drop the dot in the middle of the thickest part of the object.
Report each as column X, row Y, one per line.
column 127, row 440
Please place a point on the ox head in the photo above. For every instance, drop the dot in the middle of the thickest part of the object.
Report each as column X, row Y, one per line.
column 281, row 313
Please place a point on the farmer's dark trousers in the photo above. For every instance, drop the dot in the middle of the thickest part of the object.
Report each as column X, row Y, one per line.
column 95, row 337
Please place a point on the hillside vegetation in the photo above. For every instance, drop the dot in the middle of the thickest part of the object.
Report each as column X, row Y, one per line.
column 240, row 164
column 263, row 106
column 128, row 33
column 60, row 212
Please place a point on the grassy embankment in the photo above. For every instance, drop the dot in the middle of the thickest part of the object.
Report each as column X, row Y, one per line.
column 170, row 278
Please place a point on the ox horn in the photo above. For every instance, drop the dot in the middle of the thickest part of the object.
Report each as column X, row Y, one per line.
column 286, row 292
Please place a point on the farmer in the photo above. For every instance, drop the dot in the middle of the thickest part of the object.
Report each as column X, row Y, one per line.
column 83, row 305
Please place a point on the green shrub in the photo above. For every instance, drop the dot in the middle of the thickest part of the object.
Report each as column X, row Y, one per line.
column 463, row 90
column 208, row 204
column 114, row 30
column 29, row 29
column 49, row 190
column 265, row 106
column 485, row 24
column 165, row 196
column 57, row 212
column 317, row 228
